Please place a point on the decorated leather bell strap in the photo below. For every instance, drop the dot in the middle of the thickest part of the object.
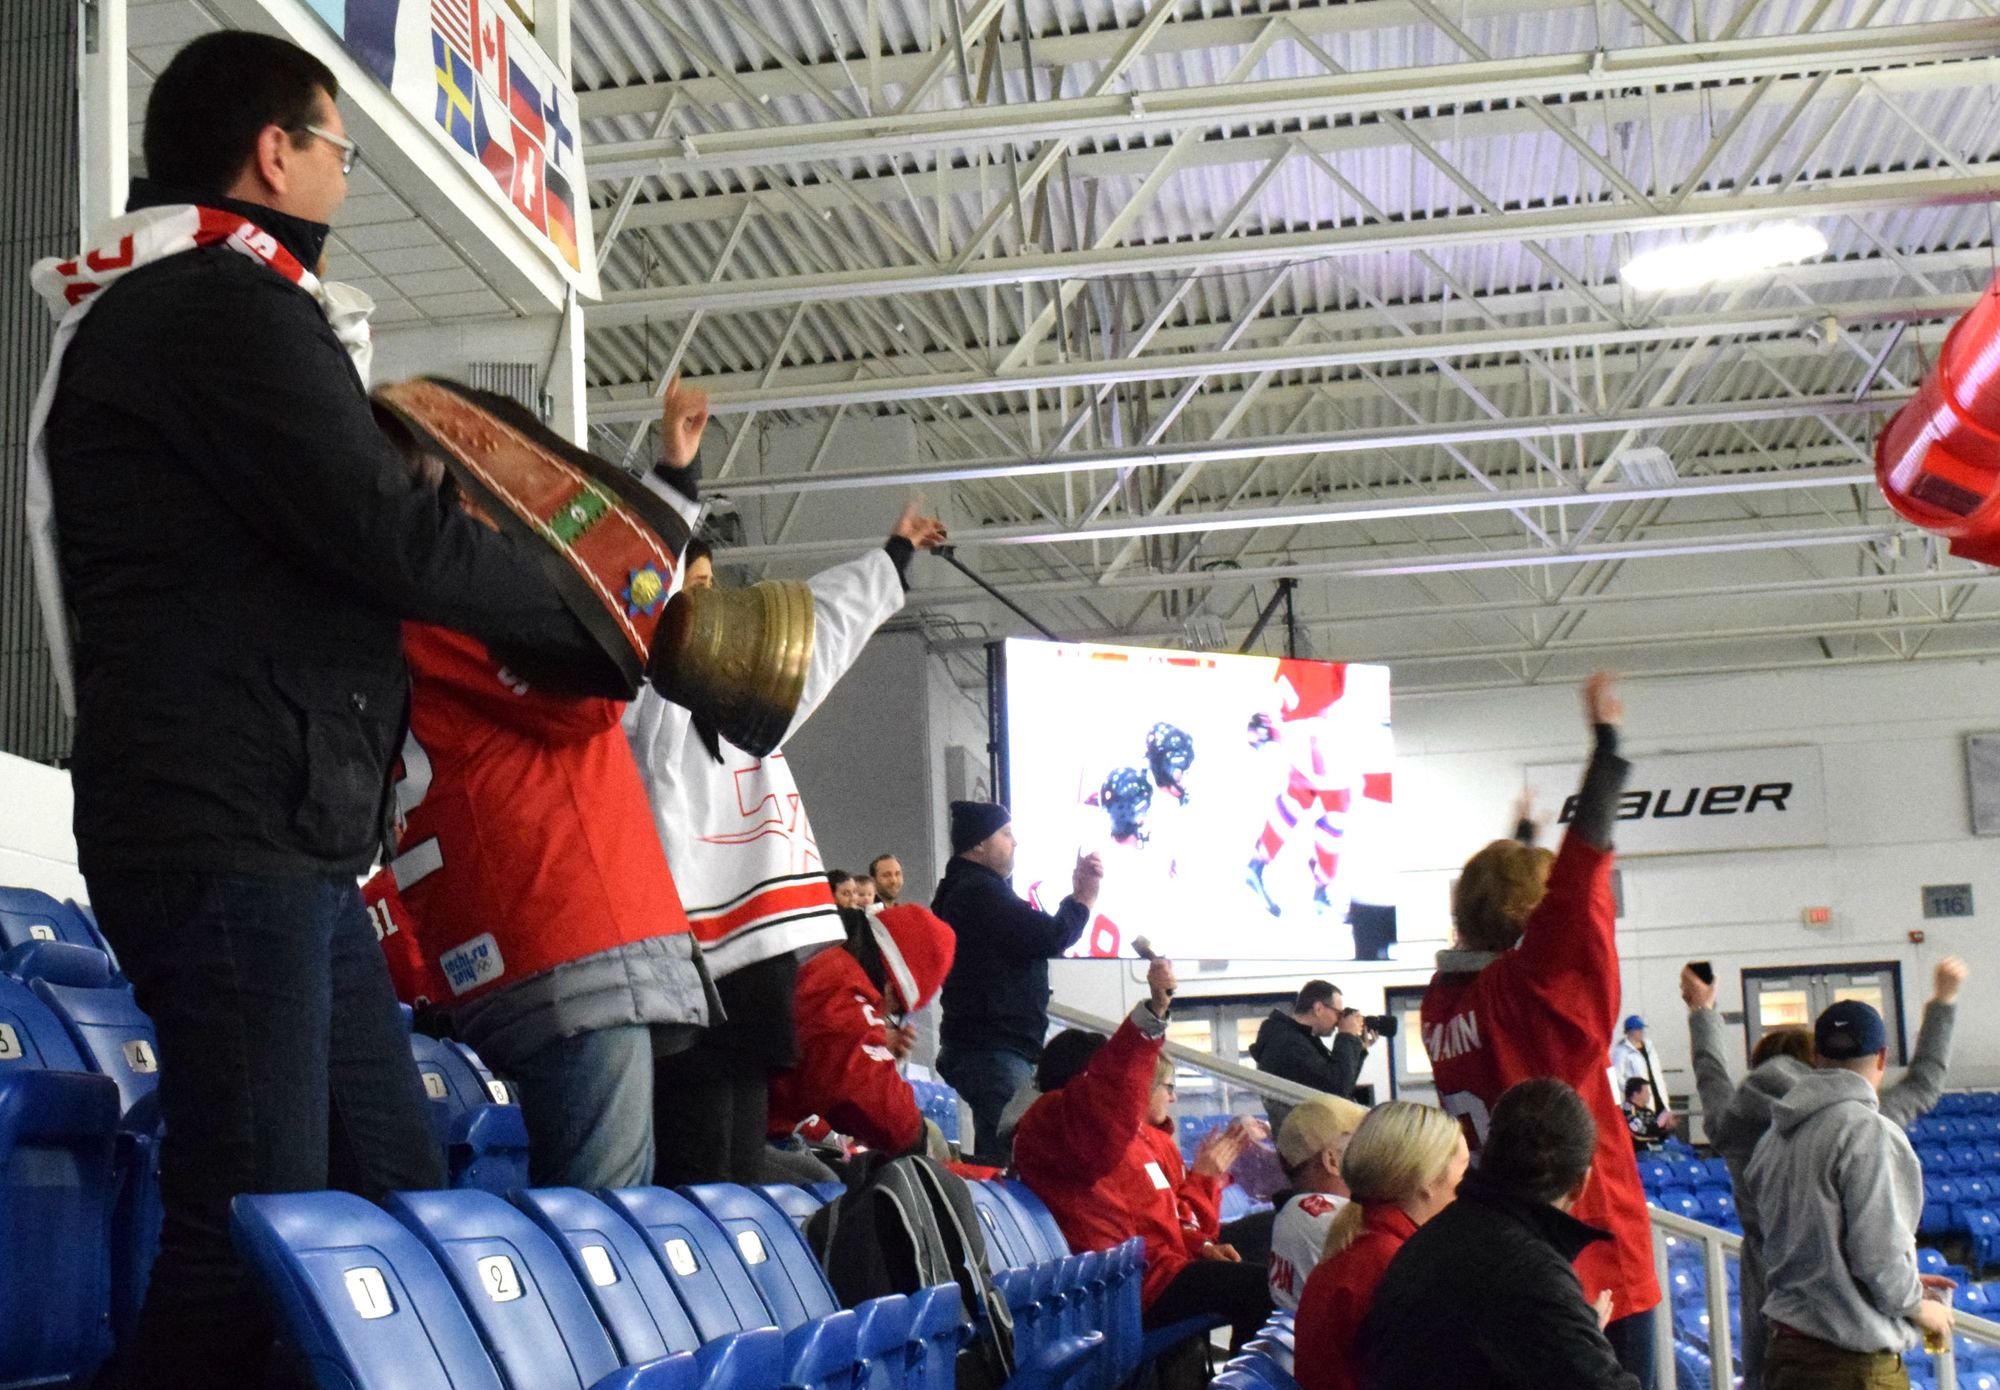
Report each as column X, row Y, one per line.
column 619, row 544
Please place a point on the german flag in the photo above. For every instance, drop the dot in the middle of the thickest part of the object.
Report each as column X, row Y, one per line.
column 561, row 216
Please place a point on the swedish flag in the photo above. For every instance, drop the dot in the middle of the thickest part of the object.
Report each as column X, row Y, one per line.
column 454, row 92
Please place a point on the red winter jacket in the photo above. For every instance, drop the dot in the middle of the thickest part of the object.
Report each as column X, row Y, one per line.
column 846, row 1073
column 1337, row 1296
column 1545, row 1008
column 527, row 839
column 1087, row 1151
column 1197, row 1197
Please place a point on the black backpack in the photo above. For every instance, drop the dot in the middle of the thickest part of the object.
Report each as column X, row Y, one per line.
column 906, row 1224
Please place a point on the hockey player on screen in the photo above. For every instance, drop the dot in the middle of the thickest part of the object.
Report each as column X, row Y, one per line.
column 1126, row 797
column 1170, row 753
column 1320, row 784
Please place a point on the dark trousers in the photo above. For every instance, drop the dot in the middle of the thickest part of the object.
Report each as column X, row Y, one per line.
column 1240, row 1293
column 1631, row 1340
column 986, row 1078
column 1806, row 1363
column 284, row 1067
column 710, row 1111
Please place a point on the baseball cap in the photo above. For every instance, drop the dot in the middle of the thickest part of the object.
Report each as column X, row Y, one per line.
column 1634, row 1022
column 1314, row 1124
column 1847, row 1030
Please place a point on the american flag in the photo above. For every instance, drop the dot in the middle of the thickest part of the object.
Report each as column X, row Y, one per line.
column 453, row 19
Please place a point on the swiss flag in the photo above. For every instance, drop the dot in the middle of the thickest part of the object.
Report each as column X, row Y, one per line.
column 528, row 190
column 489, row 37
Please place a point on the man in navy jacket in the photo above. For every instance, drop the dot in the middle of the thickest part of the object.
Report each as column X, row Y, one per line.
column 996, row 999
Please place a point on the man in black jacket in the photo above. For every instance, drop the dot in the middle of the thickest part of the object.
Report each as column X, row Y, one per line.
column 996, row 999
column 1482, row 1297
column 238, row 548
column 1288, row 1046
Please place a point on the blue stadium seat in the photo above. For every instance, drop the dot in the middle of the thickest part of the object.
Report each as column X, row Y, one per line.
column 827, row 1191
column 1965, row 1155
column 1929, row 1261
column 358, row 1294
column 1007, row 1245
column 485, row 1143
column 83, row 988
column 697, row 1258
column 532, row 1315
column 794, row 1201
column 1034, row 1217
column 58, row 1145
column 1680, row 1201
column 27, row 914
column 616, row 1267
column 114, row 1038
column 897, row 1338
column 788, row 1278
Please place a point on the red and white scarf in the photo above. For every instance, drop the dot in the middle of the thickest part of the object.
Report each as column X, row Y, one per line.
column 71, row 287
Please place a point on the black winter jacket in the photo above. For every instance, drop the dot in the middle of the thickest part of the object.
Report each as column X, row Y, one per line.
column 997, row 995
column 1287, row 1048
column 1482, row 1297
column 239, row 545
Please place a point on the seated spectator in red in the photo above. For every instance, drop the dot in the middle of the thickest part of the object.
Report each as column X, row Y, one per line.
column 1084, row 1150
column 1401, row 1167
column 1487, row 1294
column 1198, row 1194
column 849, row 1010
column 1312, row 1143
column 1642, row 1117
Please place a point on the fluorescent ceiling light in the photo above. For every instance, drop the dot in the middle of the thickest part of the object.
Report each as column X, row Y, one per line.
column 1689, row 265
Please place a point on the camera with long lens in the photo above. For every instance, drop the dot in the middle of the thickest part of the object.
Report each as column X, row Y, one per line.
column 1382, row 1025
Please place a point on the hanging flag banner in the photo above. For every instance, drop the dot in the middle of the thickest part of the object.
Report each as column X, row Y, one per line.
column 472, row 70
column 1685, row 803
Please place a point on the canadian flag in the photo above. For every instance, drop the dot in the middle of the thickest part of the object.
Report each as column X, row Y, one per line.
column 489, row 37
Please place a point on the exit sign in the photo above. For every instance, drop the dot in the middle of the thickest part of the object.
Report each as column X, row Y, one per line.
column 1947, row 900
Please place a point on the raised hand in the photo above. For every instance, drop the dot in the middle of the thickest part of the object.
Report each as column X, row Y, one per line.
column 1950, row 975
column 924, row 532
column 1160, row 980
column 1695, row 993
column 683, row 417
column 1601, row 704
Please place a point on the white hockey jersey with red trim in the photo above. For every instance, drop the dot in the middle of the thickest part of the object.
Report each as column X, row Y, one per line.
column 736, row 832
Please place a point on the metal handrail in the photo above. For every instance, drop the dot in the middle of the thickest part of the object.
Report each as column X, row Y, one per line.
column 1716, row 1246
column 1271, row 1087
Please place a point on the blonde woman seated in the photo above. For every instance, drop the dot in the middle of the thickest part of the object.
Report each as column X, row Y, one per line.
column 1402, row 1168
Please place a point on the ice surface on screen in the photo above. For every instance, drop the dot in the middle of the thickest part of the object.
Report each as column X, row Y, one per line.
column 1241, row 804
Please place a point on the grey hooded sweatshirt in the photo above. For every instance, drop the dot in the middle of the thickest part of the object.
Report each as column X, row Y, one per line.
column 1736, row 1118
column 1837, row 1190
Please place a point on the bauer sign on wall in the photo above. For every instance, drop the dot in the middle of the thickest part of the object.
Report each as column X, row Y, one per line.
column 472, row 70
column 1684, row 803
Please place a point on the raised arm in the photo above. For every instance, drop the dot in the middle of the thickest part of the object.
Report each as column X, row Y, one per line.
column 1706, row 1041
column 1091, row 1120
column 1923, row 1083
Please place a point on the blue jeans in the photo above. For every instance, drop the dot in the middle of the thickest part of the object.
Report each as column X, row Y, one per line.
column 1632, row 1339
column 588, row 1101
column 284, row 1067
column 987, row 1078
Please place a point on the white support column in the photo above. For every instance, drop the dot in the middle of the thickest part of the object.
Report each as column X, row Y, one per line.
column 552, row 28
column 562, row 380
column 103, row 120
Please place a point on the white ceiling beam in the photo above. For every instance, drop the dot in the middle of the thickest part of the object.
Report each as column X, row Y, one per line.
column 1567, row 425
column 1559, row 76
column 1459, row 502
column 1346, row 354
column 1051, row 51
column 1846, row 196
column 1378, row 564
column 1543, row 305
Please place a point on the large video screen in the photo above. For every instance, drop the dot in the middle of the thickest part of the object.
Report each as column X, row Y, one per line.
column 1242, row 805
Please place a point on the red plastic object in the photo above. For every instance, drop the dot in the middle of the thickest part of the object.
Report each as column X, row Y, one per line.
column 1938, row 458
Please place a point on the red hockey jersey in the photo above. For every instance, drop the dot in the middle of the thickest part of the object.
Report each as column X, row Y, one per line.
column 1087, row 1151
column 527, row 841
column 1547, row 1008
